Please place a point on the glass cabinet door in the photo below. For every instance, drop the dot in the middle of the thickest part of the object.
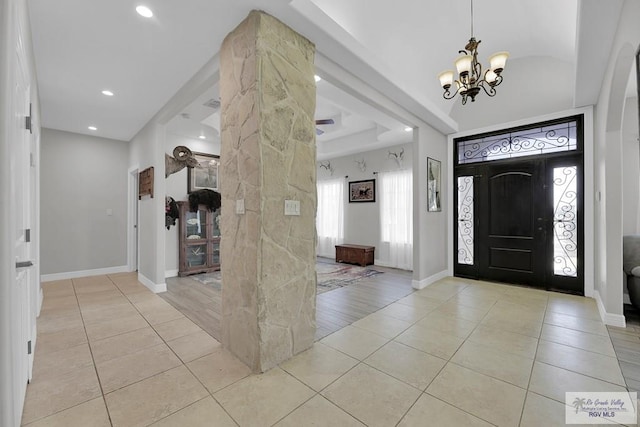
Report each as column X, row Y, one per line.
column 196, row 255
column 195, row 223
column 215, row 253
column 215, row 231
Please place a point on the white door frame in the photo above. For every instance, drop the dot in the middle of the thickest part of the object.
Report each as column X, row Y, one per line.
column 132, row 219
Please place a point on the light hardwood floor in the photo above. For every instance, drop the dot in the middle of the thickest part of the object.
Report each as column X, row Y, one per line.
column 334, row 309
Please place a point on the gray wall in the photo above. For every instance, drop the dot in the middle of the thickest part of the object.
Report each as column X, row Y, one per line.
column 81, row 178
column 362, row 220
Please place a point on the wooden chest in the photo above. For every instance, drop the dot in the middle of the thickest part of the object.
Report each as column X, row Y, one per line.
column 355, row 254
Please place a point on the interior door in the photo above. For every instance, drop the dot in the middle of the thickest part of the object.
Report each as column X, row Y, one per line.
column 511, row 224
column 21, row 202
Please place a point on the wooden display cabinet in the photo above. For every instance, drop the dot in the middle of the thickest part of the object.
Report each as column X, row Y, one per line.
column 199, row 240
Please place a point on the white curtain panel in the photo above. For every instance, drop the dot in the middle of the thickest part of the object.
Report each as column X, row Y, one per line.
column 330, row 216
column 396, row 216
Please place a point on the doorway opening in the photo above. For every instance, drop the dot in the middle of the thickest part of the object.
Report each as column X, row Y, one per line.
column 520, row 206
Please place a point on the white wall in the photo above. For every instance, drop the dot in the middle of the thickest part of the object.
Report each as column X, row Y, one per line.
column 176, row 187
column 521, row 94
column 608, row 166
column 146, row 149
column 82, row 178
column 630, row 168
column 362, row 220
column 431, row 260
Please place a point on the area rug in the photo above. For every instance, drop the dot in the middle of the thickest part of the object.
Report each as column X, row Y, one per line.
column 330, row 276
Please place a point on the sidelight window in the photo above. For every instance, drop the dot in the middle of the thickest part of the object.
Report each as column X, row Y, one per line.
column 565, row 221
column 465, row 220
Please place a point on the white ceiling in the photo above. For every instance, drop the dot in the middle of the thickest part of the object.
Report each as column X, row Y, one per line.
column 399, row 47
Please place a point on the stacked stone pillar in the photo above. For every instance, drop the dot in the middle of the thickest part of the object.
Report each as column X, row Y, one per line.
column 268, row 155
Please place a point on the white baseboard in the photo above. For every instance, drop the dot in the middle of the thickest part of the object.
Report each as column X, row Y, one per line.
column 421, row 284
column 388, row 265
column 156, row 288
column 170, row 273
column 608, row 318
column 83, row 273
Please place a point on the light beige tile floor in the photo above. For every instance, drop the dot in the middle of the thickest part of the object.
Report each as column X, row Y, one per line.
column 458, row 353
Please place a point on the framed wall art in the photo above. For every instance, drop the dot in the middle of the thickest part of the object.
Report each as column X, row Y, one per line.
column 145, row 183
column 206, row 175
column 434, row 184
column 362, row 191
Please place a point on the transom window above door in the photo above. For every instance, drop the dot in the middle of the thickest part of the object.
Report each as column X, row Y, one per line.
column 545, row 139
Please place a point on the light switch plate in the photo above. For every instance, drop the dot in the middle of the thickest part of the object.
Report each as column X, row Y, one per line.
column 292, row 207
column 240, row 207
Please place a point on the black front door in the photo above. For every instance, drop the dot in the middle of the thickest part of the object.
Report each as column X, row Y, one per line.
column 511, row 228
column 521, row 222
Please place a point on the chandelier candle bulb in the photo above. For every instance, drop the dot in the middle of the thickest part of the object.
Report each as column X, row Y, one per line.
column 498, row 61
column 463, row 64
column 446, row 79
column 491, row 77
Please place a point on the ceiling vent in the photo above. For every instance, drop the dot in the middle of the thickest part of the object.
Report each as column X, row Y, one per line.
column 212, row 103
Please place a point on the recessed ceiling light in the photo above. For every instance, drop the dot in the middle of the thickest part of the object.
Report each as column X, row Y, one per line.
column 93, row 128
column 107, row 93
column 317, row 78
column 144, row 11
column 408, row 129
column 202, row 137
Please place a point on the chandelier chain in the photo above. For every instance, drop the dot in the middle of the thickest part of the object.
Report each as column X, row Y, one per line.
column 472, row 18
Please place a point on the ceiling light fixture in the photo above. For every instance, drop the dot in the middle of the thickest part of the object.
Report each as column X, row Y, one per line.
column 107, row 93
column 93, row 128
column 317, row 78
column 202, row 137
column 408, row 129
column 470, row 75
column 144, row 11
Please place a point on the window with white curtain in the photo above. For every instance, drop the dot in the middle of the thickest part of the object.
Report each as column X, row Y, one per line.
column 396, row 216
column 330, row 216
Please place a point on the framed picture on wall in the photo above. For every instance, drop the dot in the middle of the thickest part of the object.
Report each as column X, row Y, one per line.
column 205, row 176
column 362, row 191
column 434, row 184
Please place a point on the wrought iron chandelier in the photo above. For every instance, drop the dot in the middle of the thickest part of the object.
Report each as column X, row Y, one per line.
column 470, row 75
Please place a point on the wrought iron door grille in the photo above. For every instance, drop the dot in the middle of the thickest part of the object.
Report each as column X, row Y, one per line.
column 529, row 142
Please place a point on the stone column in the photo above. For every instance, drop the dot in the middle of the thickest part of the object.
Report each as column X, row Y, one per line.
column 268, row 156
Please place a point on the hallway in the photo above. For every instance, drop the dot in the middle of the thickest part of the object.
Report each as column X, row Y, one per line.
column 110, row 352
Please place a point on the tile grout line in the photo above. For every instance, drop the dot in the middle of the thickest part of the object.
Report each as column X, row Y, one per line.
column 95, row 366
column 535, row 356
